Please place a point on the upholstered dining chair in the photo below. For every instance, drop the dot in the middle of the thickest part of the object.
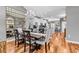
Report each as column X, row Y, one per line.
column 18, row 37
column 28, row 40
column 42, row 42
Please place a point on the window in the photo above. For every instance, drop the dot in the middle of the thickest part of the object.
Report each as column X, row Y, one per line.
column 15, row 13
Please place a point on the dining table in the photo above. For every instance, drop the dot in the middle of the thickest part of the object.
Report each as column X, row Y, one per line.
column 37, row 37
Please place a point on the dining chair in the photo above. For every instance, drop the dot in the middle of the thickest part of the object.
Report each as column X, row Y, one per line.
column 28, row 40
column 18, row 37
column 42, row 42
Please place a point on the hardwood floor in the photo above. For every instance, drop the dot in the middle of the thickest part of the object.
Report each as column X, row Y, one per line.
column 3, row 47
column 57, row 44
column 74, row 47
column 11, row 48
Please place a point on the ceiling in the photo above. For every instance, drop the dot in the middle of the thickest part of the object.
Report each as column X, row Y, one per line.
column 47, row 11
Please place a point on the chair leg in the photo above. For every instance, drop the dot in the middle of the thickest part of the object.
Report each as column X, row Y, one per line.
column 49, row 46
column 45, row 47
column 15, row 42
column 24, row 46
column 18, row 43
column 30, row 46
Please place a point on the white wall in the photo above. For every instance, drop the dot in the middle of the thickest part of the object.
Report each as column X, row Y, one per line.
column 2, row 23
column 73, row 23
